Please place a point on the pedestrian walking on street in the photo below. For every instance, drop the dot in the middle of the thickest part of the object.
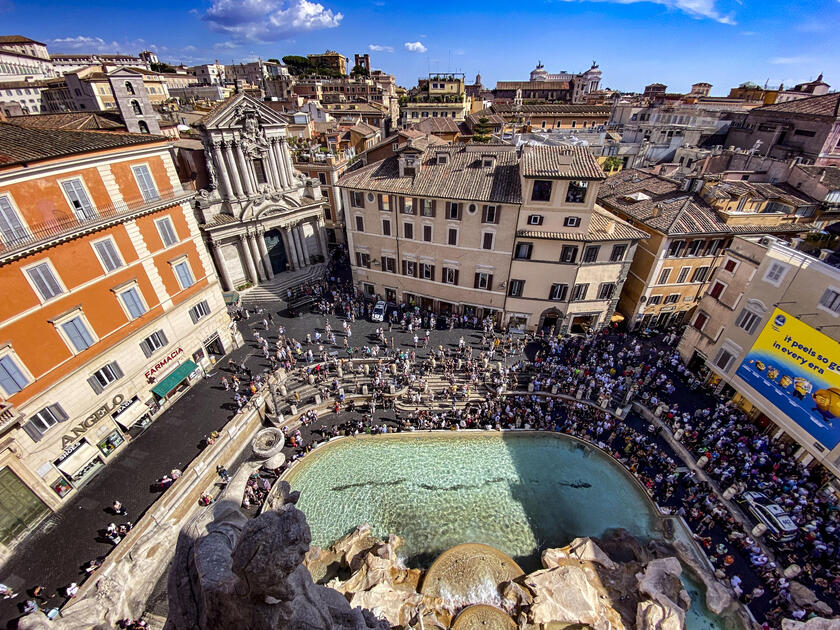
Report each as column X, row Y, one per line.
column 118, row 508
column 225, row 383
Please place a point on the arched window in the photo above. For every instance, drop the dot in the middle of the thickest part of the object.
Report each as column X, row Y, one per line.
column 144, row 128
column 129, row 88
column 136, row 107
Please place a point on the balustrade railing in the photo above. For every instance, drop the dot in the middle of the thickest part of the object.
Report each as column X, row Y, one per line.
column 67, row 223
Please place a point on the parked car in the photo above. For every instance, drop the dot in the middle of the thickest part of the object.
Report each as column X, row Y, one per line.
column 378, row 314
column 763, row 510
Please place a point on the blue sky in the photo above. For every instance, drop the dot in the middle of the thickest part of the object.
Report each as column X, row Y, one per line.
column 676, row 42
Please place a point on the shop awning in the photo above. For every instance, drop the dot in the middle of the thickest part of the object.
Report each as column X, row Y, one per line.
column 172, row 379
column 80, row 457
column 231, row 297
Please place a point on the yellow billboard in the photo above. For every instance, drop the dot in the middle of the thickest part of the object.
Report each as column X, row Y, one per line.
column 797, row 369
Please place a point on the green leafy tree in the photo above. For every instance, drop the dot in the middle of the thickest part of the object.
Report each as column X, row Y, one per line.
column 482, row 132
column 161, row 67
column 612, row 163
column 274, row 60
column 297, row 65
column 359, row 71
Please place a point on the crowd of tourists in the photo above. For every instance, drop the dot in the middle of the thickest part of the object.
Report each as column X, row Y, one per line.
column 608, row 370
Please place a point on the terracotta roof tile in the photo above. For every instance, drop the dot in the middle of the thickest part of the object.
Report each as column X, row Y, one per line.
column 826, row 105
column 556, row 162
column 461, row 177
column 20, row 144
column 659, row 203
column 599, row 230
column 555, row 108
column 437, row 125
column 71, row 121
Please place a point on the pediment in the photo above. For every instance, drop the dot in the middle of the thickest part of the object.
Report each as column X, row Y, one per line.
column 233, row 114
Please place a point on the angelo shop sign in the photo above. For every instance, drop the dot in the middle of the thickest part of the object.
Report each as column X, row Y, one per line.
column 80, row 429
column 797, row 369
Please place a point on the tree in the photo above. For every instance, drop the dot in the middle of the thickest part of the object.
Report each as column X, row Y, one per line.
column 277, row 61
column 612, row 163
column 161, row 67
column 359, row 71
column 482, row 132
column 297, row 65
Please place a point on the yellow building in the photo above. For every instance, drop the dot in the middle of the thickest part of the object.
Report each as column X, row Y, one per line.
column 90, row 88
column 671, row 269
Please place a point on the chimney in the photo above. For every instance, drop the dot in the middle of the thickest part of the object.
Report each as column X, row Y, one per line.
column 611, row 226
column 822, row 175
column 657, row 210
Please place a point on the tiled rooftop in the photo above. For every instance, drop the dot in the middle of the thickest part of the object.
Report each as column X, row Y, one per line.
column 21, row 144
column 560, row 162
column 659, row 203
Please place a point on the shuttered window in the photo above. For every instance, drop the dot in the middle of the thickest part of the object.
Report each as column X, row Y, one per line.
column 202, row 309
column 44, row 280
column 42, row 421
column 12, row 379
column 11, row 228
column 167, row 232
column 79, row 200
column 108, row 255
column 133, row 303
column 145, row 182
column 78, row 334
column 153, row 342
column 104, row 376
column 182, row 270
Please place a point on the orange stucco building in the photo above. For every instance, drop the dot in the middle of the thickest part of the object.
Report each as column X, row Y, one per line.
column 110, row 307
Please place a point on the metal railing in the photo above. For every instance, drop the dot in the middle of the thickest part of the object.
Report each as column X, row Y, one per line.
column 9, row 416
column 64, row 224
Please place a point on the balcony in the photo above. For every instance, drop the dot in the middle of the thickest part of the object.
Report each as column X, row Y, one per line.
column 9, row 416
column 67, row 226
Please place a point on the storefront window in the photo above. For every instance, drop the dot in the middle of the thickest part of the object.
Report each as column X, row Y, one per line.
column 61, row 487
column 110, row 443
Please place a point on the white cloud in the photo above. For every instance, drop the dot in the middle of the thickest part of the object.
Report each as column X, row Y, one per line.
column 792, row 60
column 190, row 48
column 694, row 8
column 269, row 20
column 225, row 46
column 415, row 47
column 380, row 48
column 84, row 43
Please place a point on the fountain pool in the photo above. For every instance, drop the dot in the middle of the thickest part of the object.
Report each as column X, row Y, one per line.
column 517, row 492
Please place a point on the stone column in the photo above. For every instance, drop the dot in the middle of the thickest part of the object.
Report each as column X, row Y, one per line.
column 224, row 276
column 278, row 156
column 291, row 255
column 255, row 255
column 272, row 163
column 298, row 249
column 221, row 171
column 249, row 259
column 244, row 174
column 233, row 170
column 286, row 159
column 322, row 239
column 266, row 261
column 303, row 249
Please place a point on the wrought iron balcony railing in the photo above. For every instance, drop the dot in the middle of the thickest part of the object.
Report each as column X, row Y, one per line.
column 64, row 226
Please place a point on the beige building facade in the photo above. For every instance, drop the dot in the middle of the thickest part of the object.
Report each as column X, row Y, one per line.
column 756, row 276
column 484, row 230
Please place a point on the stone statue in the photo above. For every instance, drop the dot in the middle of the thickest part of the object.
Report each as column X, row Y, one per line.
column 252, row 137
column 249, row 574
column 211, row 169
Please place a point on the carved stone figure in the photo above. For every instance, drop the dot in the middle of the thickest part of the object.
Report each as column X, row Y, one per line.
column 249, row 574
column 211, row 169
column 254, row 143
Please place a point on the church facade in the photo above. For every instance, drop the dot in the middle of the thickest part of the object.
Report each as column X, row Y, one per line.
column 260, row 217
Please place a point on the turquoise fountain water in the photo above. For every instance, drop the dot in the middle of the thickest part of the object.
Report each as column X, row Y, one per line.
column 518, row 492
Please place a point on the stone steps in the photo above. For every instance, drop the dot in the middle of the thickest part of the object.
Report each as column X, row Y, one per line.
column 275, row 291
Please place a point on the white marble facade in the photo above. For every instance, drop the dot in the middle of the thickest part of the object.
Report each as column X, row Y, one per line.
column 260, row 216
